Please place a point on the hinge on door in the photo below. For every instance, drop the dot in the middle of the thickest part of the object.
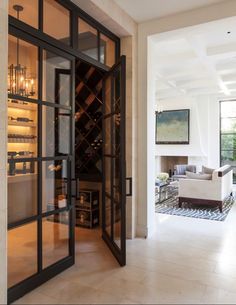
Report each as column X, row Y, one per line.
column 129, row 179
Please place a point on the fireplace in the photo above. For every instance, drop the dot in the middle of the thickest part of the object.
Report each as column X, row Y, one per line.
column 167, row 163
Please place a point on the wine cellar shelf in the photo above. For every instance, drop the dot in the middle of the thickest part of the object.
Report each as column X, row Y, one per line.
column 88, row 122
column 22, row 139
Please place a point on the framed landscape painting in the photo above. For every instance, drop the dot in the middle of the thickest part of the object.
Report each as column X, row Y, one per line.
column 172, row 127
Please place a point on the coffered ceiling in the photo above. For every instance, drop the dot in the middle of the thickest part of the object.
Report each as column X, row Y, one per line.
column 197, row 61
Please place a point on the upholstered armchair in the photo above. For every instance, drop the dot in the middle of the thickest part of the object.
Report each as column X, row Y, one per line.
column 211, row 192
column 180, row 170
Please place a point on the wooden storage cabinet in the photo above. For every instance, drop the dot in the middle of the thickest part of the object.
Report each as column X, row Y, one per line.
column 87, row 208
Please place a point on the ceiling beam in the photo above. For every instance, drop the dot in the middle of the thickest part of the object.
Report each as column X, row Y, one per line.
column 201, row 52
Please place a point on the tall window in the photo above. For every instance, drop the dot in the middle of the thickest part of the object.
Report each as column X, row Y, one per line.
column 228, row 134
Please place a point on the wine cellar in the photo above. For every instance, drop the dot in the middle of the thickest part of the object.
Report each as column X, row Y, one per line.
column 88, row 122
column 66, row 140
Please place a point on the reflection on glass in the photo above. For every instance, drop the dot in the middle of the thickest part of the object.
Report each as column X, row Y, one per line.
column 55, row 70
column 56, row 21
column 29, row 12
column 22, row 253
column 108, row 215
column 55, row 238
column 107, row 51
column 88, row 39
column 22, row 189
column 22, row 68
column 56, row 131
column 54, row 185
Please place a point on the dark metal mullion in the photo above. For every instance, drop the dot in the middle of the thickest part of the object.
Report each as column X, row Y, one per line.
column 111, row 159
column 38, row 101
column 123, row 157
column 17, row 28
column 233, row 150
column 71, row 173
column 98, row 45
column 19, row 223
column 103, row 160
column 36, row 159
column 40, row 141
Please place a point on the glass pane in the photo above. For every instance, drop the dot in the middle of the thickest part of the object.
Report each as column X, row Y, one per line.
column 107, row 51
column 22, row 129
column 28, row 11
column 228, row 141
column 107, row 164
column 228, row 157
column 108, row 215
column 107, row 100
column 55, row 238
column 56, row 21
column 22, row 253
column 22, row 68
column 22, row 189
column 228, row 109
column 117, row 202
column 54, row 89
column 228, row 125
column 55, row 131
column 88, row 39
column 54, row 185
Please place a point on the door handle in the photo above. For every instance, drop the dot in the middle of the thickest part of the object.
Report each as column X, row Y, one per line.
column 73, row 188
column 129, row 179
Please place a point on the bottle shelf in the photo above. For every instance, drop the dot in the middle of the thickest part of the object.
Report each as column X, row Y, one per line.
column 22, row 106
column 23, row 124
column 23, row 141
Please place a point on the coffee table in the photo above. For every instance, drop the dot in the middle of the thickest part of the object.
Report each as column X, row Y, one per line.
column 165, row 190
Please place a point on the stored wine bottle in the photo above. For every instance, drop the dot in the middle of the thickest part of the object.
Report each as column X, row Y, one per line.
column 97, row 116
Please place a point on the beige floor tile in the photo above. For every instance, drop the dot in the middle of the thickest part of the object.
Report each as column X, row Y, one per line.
column 187, row 261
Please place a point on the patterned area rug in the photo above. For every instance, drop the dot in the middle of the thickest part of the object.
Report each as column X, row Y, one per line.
column 170, row 207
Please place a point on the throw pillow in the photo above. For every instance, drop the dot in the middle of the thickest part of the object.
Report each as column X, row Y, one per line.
column 191, row 175
column 207, row 170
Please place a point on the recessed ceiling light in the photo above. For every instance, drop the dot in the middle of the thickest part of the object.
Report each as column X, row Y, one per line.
column 228, row 32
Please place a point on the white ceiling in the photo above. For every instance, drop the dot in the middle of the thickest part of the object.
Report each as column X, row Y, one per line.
column 199, row 61
column 143, row 10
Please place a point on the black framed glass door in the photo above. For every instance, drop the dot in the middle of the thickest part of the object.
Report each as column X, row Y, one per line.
column 40, row 157
column 114, row 166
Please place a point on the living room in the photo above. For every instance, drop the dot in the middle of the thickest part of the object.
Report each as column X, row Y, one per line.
column 194, row 119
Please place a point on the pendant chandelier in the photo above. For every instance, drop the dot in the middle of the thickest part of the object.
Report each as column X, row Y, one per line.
column 18, row 81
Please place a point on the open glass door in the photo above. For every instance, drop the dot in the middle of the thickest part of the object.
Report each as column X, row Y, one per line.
column 114, row 167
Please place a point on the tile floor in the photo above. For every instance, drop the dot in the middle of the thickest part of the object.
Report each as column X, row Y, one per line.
column 186, row 261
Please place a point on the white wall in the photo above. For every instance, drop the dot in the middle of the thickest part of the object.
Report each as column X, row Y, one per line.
column 3, row 150
column 203, row 147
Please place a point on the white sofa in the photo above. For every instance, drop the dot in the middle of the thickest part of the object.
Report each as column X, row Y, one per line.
column 207, row 192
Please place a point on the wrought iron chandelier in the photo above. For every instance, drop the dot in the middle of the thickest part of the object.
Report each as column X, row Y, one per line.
column 18, row 81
